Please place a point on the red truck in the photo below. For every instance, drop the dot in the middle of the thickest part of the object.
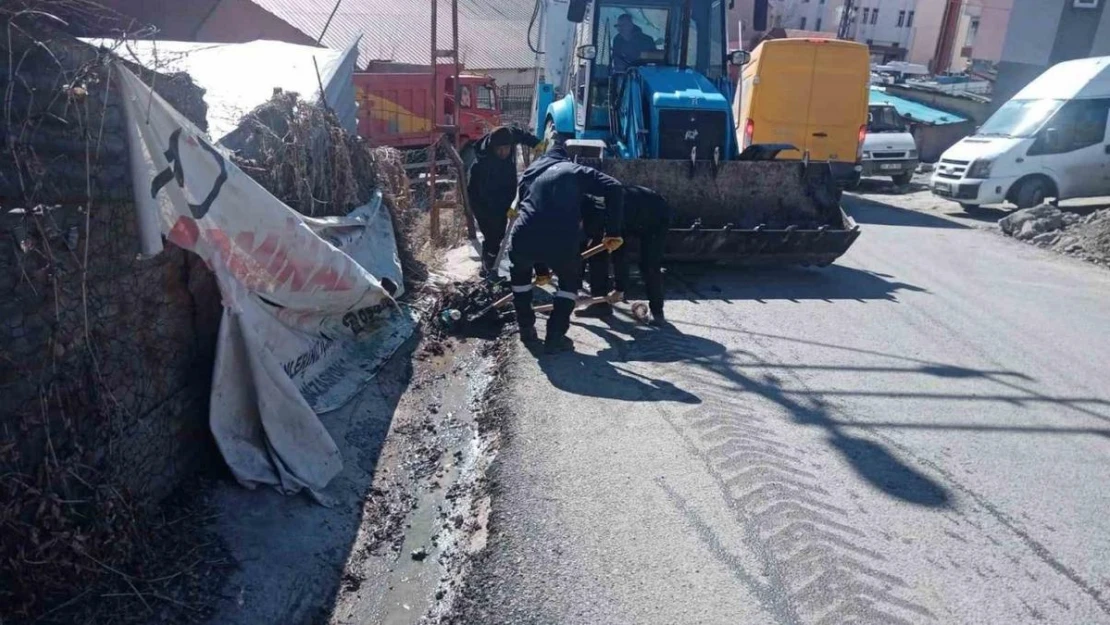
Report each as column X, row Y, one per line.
column 395, row 109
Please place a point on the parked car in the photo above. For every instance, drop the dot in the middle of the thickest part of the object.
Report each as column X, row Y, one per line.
column 395, row 109
column 809, row 93
column 1048, row 141
column 888, row 147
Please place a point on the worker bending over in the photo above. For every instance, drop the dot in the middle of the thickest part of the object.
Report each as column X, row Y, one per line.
column 548, row 231
column 647, row 217
column 491, row 186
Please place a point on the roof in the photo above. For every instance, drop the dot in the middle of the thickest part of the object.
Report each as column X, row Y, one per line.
column 492, row 33
column 238, row 77
column 917, row 112
column 1081, row 78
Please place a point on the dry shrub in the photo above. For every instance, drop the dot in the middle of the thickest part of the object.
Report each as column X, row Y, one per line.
column 302, row 155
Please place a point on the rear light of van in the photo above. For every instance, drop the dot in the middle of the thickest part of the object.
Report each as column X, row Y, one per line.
column 862, row 136
column 749, row 132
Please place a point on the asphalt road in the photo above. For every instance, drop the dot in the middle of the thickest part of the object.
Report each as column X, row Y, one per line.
column 918, row 434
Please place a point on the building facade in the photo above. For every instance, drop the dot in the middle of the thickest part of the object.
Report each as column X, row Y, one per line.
column 1042, row 33
column 902, row 30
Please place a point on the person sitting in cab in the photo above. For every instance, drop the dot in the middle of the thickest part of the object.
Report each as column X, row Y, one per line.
column 629, row 44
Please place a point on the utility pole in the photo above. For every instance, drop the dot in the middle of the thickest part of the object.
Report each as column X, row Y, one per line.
column 846, row 19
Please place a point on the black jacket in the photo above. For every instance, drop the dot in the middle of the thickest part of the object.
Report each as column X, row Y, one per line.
column 551, row 193
column 491, row 181
column 627, row 51
column 645, row 211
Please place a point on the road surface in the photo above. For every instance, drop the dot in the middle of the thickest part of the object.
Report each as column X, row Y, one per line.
column 918, row 434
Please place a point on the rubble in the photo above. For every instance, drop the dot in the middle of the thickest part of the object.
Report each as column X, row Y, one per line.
column 1046, row 226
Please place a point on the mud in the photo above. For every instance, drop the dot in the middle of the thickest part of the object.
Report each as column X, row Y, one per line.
column 393, row 546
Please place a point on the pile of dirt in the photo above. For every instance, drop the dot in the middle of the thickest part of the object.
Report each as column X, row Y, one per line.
column 1085, row 237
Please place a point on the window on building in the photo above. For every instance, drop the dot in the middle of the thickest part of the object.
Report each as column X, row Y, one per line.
column 901, row 18
column 778, row 21
column 909, row 19
column 817, row 26
column 866, row 14
column 802, row 24
column 874, row 16
column 972, row 31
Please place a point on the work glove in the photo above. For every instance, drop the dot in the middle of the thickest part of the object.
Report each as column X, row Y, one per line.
column 612, row 243
column 543, row 279
column 614, row 297
column 512, row 214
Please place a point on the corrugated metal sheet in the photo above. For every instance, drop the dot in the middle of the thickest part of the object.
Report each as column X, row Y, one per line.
column 919, row 112
column 492, row 33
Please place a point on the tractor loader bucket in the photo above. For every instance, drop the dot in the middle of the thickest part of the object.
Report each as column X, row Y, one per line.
column 747, row 212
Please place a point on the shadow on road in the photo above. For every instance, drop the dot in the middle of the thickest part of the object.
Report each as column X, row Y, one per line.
column 868, row 211
column 595, row 376
column 871, row 461
column 763, row 284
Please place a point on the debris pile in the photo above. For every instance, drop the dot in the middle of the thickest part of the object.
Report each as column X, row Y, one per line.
column 1085, row 237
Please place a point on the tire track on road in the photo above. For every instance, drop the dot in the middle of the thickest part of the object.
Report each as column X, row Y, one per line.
column 817, row 568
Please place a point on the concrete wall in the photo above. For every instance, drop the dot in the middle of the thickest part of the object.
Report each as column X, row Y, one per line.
column 112, row 358
column 928, row 17
column 994, row 21
column 1042, row 33
column 972, row 109
column 932, row 141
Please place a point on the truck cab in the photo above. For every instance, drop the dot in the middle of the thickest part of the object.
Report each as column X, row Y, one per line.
column 395, row 108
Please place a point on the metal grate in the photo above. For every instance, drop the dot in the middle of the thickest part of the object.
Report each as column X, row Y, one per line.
column 516, row 104
column 681, row 130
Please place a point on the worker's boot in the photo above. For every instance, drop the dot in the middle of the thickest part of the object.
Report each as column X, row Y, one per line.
column 525, row 316
column 596, row 311
column 558, row 325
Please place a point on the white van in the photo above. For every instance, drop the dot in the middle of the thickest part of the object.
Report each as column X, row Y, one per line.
column 1049, row 140
column 888, row 146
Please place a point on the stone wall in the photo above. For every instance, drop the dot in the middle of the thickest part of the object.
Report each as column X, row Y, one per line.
column 105, row 358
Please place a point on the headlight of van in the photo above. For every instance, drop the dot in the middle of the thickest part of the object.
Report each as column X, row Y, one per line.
column 979, row 169
column 912, row 154
column 866, row 155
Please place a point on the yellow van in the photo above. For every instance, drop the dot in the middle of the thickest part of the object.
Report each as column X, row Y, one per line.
column 809, row 93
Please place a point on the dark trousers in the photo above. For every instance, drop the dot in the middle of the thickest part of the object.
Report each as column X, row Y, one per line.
column 492, row 222
column 568, row 273
column 651, row 270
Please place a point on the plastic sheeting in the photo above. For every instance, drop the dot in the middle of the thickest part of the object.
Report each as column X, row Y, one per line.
column 308, row 316
column 239, row 77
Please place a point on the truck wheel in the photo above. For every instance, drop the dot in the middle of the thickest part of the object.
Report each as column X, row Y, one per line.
column 902, row 179
column 969, row 208
column 1030, row 192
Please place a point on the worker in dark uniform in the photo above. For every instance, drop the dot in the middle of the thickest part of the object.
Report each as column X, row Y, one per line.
column 629, row 43
column 647, row 217
column 491, row 185
column 549, row 231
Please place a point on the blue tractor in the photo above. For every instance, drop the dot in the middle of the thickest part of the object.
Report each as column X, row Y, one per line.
column 641, row 90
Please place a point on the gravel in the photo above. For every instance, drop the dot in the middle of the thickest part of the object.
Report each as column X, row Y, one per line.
column 1085, row 237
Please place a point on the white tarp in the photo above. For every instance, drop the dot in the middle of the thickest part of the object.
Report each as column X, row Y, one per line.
column 239, row 77
column 306, row 320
